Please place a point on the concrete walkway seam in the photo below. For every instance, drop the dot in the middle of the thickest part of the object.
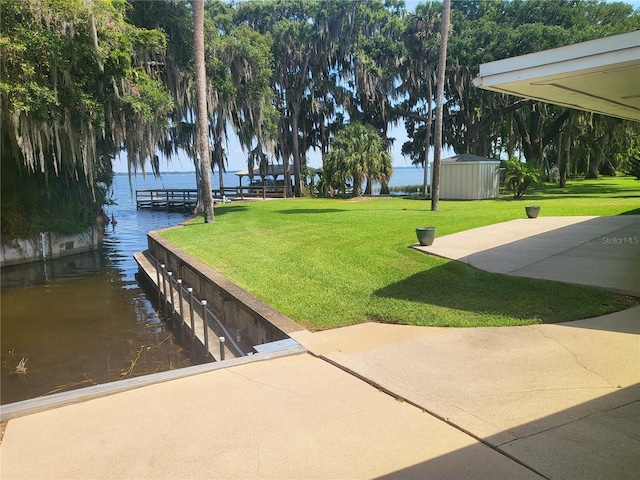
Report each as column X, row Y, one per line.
column 400, row 398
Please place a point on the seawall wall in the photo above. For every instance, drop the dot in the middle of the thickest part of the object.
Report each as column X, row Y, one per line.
column 46, row 246
column 236, row 308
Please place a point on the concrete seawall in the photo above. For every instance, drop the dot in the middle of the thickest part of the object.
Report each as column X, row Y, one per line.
column 237, row 309
column 47, row 246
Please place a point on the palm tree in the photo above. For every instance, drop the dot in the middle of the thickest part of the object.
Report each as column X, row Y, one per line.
column 519, row 176
column 442, row 64
column 201, row 108
column 357, row 153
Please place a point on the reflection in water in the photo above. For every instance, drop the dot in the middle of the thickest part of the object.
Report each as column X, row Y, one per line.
column 83, row 320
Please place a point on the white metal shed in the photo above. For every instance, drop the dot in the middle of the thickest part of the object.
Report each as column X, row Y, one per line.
column 469, row 177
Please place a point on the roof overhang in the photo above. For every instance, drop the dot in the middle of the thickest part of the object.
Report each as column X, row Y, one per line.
column 601, row 76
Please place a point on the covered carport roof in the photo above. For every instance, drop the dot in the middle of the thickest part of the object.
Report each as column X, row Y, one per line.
column 601, row 76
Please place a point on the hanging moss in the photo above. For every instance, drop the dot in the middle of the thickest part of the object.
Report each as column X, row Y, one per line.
column 79, row 83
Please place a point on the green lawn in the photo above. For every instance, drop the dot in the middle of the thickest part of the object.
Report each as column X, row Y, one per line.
column 333, row 262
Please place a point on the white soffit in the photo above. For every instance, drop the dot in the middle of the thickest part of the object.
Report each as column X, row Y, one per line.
column 601, row 76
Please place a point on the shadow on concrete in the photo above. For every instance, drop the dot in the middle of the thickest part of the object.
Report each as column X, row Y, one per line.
column 467, row 463
column 602, row 252
column 621, row 322
column 593, row 440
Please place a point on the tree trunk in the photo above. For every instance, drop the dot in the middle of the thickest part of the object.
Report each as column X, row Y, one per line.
column 221, row 181
column 199, row 208
column 357, row 186
column 593, row 167
column 442, row 64
column 217, row 158
column 511, row 143
column 561, row 170
column 597, row 159
column 566, row 167
column 384, row 187
column 607, row 168
column 534, row 136
column 201, row 99
column 563, row 163
column 297, row 190
column 427, row 140
column 368, row 189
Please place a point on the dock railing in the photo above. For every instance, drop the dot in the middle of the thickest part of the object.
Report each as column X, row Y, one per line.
column 262, row 191
column 201, row 322
column 170, row 199
column 185, row 200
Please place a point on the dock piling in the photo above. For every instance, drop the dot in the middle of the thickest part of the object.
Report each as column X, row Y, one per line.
column 158, row 266
column 193, row 326
column 173, row 306
column 221, row 348
column 179, row 288
column 164, row 288
column 204, row 325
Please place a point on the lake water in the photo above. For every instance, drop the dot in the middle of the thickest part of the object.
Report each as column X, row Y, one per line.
column 84, row 319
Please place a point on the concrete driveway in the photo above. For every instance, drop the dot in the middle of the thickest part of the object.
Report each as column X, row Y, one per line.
column 601, row 252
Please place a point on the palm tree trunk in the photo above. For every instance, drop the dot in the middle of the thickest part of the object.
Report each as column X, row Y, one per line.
column 297, row 191
column 201, row 99
column 427, row 140
column 218, row 156
column 442, row 64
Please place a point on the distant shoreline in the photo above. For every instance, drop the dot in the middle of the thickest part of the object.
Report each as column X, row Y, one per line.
column 136, row 174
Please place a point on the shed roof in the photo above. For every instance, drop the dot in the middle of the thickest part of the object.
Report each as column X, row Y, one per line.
column 467, row 157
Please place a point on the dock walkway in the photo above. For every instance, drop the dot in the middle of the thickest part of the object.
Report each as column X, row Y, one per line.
column 170, row 199
column 186, row 199
column 183, row 308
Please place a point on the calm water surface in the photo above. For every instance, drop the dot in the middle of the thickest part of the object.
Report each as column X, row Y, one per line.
column 84, row 319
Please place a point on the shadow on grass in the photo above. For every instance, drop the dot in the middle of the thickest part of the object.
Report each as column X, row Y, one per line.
column 458, row 286
column 310, row 211
column 635, row 211
column 586, row 189
column 528, row 197
column 223, row 210
column 218, row 211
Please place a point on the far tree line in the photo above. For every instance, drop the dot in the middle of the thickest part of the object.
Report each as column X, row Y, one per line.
column 82, row 81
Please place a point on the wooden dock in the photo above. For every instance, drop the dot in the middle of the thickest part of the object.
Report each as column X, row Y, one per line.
column 169, row 199
column 185, row 199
